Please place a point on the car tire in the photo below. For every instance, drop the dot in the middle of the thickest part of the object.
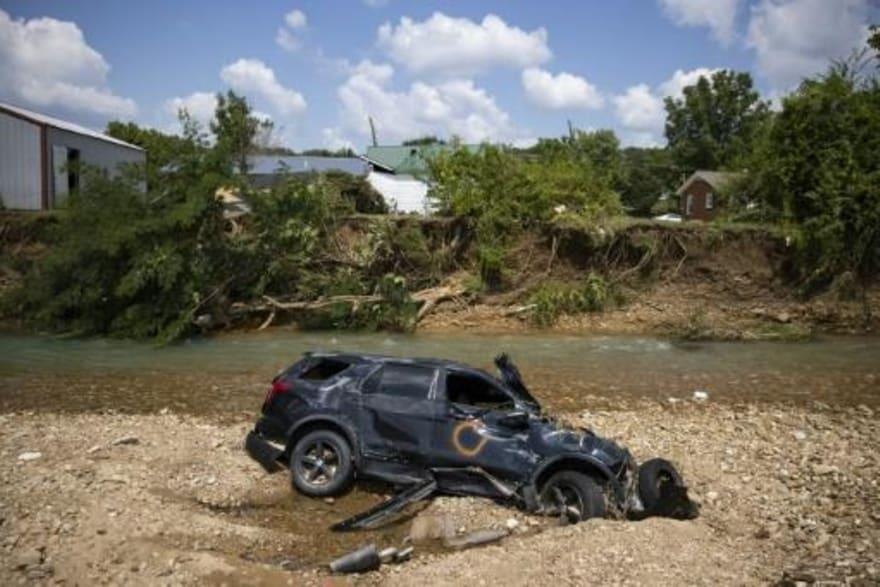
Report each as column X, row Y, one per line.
column 321, row 464
column 652, row 475
column 577, row 490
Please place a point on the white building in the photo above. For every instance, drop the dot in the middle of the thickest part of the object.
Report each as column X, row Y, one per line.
column 40, row 157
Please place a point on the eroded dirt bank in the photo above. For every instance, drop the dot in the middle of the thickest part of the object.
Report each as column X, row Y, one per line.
column 172, row 499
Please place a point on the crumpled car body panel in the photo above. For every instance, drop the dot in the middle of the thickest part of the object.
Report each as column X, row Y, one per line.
column 416, row 421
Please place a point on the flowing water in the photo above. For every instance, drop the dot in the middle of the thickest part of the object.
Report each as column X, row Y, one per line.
column 229, row 374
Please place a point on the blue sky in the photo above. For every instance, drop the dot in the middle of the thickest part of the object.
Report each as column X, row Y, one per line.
column 501, row 71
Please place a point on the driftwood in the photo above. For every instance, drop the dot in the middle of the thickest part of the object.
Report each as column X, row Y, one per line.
column 428, row 299
column 432, row 296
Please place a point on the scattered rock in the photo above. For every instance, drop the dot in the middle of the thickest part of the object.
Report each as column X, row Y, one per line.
column 426, row 528
column 799, row 435
column 29, row 456
column 126, row 440
column 701, row 396
column 29, row 558
column 511, row 524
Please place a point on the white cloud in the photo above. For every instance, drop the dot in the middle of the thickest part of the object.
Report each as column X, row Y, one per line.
column 335, row 140
column 252, row 76
column 674, row 86
column 560, row 91
column 459, row 46
column 287, row 40
column 453, row 107
column 296, row 19
column 641, row 111
column 375, row 3
column 46, row 62
column 718, row 15
column 793, row 39
column 199, row 105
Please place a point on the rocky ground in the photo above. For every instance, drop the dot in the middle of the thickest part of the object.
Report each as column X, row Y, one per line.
column 787, row 493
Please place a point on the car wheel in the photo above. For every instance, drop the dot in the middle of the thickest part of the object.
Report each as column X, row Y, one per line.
column 653, row 475
column 321, row 465
column 570, row 489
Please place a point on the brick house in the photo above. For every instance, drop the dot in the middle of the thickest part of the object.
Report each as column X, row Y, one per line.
column 698, row 195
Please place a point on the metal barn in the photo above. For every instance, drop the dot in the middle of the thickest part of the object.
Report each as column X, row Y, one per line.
column 40, row 157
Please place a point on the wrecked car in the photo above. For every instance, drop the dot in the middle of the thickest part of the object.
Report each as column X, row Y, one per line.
column 436, row 426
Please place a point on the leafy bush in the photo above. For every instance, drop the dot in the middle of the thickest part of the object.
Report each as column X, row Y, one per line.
column 819, row 171
column 125, row 263
column 554, row 299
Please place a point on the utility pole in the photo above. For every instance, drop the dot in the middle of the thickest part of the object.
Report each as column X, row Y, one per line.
column 570, row 131
column 373, row 131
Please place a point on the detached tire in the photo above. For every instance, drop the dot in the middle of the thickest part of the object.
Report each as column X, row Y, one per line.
column 321, row 465
column 576, row 490
column 653, row 474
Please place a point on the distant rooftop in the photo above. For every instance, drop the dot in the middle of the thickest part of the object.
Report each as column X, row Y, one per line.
column 716, row 179
column 38, row 118
column 271, row 164
column 408, row 159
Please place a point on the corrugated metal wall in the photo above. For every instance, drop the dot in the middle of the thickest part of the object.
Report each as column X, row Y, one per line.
column 20, row 183
column 91, row 152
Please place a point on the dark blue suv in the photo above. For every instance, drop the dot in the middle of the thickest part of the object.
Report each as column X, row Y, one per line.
column 333, row 418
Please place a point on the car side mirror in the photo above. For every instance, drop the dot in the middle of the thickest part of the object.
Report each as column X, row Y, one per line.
column 516, row 420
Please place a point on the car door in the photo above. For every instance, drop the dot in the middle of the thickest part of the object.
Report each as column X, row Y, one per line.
column 473, row 431
column 398, row 412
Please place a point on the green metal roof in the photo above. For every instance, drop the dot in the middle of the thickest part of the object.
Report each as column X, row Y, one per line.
column 410, row 159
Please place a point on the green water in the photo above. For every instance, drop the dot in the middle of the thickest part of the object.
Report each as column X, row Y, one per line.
column 229, row 373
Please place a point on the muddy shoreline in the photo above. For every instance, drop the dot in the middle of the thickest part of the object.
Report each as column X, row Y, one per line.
column 167, row 498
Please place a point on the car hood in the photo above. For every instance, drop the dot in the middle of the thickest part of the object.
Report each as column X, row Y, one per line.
column 550, row 438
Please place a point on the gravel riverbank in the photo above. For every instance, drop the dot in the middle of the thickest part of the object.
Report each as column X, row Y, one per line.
column 786, row 492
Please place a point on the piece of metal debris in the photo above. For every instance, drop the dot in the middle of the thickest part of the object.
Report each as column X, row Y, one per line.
column 376, row 515
column 476, row 538
column 361, row 560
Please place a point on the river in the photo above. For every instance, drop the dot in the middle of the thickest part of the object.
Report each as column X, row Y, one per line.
column 228, row 374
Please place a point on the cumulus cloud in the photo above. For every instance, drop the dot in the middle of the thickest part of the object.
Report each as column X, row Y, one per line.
column 453, row 107
column 287, row 40
column 718, row 15
column 560, row 91
column 253, row 77
column 199, row 105
column 296, row 19
column 46, row 62
column 641, row 111
column 459, row 46
column 674, row 86
column 793, row 39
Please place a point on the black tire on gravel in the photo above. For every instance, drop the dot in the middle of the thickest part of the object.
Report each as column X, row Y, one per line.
column 576, row 490
column 321, row 464
column 652, row 475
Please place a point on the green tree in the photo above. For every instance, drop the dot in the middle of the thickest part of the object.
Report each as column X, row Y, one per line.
column 647, row 173
column 164, row 151
column 820, row 167
column 712, row 126
column 237, row 130
column 874, row 40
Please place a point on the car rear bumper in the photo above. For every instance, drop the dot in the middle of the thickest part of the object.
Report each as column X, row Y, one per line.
column 263, row 451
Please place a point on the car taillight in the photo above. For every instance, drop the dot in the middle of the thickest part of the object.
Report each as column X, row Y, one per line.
column 279, row 387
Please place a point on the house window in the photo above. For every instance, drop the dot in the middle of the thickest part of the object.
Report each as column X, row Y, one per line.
column 689, row 206
column 710, row 201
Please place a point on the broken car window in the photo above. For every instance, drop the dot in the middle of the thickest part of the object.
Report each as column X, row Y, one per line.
column 324, row 369
column 404, row 381
column 472, row 390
